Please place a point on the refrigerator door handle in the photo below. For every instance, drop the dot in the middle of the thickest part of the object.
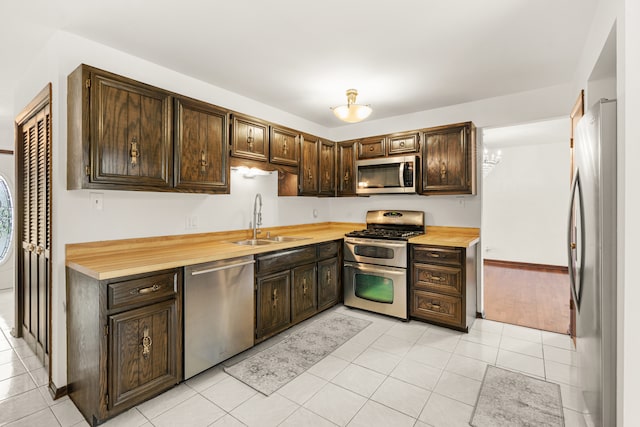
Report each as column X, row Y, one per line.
column 578, row 246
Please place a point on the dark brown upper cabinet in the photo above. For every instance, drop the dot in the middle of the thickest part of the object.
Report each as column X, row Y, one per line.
column 401, row 143
column 284, row 146
column 372, row 147
column 308, row 171
column 121, row 137
column 249, row 138
column 119, row 133
column 201, row 159
column 327, row 168
column 448, row 162
column 346, row 159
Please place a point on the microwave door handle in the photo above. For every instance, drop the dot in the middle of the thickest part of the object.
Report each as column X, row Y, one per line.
column 401, row 174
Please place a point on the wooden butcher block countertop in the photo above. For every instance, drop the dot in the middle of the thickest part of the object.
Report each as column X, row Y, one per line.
column 119, row 258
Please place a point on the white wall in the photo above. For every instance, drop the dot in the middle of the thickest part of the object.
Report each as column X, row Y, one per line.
column 525, row 203
column 139, row 214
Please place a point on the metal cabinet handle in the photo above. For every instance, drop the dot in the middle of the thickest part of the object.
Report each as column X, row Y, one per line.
column 443, row 171
column 347, row 175
column 432, row 255
column 304, row 285
column 328, row 277
column 371, row 148
column 285, row 149
column 31, row 247
column 143, row 291
column 250, row 138
column 203, row 162
column 401, row 144
column 39, row 250
column 274, row 297
column 437, row 278
column 135, row 153
column 146, row 343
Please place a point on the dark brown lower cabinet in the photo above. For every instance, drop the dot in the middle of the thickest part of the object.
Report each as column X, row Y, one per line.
column 304, row 295
column 294, row 284
column 273, row 303
column 443, row 285
column 124, row 340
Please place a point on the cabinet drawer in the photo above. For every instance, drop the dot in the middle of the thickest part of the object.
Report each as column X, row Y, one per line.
column 403, row 143
column 432, row 254
column 437, row 307
column 438, row 278
column 143, row 290
column 371, row 147
column 283, row 260
column 327, row 250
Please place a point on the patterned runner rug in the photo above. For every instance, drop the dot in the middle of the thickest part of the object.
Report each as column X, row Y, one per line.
column 512, row 399
column 275, row 366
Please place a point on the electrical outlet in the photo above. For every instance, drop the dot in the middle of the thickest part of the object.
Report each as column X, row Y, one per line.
column 191, row 222
column 461, row 202
column 96, row 201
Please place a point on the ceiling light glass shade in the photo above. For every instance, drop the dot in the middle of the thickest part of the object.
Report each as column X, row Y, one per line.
column 490, row 160
column 352, row 112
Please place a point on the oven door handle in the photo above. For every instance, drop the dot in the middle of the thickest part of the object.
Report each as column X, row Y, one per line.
column 374, row 242
column 374, row 269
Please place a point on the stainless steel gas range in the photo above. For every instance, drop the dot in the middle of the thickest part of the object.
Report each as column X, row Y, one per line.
column 375, row 262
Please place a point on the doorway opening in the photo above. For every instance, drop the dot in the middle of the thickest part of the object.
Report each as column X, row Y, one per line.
column 524, row 222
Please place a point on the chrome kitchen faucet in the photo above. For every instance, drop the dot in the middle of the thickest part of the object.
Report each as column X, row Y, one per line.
column 257, row 215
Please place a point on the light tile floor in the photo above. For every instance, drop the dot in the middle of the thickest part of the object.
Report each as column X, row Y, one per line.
column 392, row 373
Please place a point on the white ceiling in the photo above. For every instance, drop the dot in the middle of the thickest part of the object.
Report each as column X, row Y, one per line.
column 301, row 56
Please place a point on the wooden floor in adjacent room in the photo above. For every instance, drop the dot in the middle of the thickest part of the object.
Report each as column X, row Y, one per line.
column 528, row 295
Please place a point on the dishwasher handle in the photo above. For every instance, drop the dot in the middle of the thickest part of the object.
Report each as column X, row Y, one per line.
column 224, row 267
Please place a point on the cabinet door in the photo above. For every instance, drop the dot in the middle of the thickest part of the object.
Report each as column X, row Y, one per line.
column 130, row 133
column 371, row 147
column 201, row 147
column 328, row 283
column 284, row 146
column 327, row 168
column 273, row 304
column 309, row 167
column 404, row 143
column 449, row 160
column 249, row 138
column 346, row 168
column 304, row 300
column 144, row 353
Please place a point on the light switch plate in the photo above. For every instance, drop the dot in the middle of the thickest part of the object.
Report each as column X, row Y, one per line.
column 97, row 201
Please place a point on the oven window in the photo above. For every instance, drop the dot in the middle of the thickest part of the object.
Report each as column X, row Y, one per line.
column 373, row 251
column 374, row 288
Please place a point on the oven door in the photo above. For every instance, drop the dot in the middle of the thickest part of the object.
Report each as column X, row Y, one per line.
column 375, row 251
column 376, row 288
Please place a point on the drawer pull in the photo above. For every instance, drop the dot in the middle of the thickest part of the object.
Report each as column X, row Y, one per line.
column 437, row 278
column 146, row 343
column 143, row 291
column 434, row 255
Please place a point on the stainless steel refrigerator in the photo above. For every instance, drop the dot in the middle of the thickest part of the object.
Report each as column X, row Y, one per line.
column 592, row 260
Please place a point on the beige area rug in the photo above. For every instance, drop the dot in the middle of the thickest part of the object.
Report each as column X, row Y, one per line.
column 275, row 366
column 511, row 399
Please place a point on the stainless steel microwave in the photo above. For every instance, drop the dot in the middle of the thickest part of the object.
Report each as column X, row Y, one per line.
column 387, row 175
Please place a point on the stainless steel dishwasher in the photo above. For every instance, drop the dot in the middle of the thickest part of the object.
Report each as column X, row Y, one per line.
column 218, row 312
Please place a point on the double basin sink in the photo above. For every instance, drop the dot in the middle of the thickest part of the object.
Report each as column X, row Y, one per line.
column 269, row 240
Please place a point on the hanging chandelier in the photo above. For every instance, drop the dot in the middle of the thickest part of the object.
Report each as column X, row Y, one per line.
column 352, row 112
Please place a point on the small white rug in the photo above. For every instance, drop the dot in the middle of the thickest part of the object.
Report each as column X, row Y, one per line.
column 511, row 399
column 275, row 366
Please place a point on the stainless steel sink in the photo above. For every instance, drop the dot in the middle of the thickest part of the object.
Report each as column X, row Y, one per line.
column 285, row 238
column 255, row 242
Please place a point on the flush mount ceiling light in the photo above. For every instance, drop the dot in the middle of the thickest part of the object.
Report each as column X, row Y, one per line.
column 352, row 112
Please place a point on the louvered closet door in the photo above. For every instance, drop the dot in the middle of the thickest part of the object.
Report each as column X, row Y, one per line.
column 36, row 235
